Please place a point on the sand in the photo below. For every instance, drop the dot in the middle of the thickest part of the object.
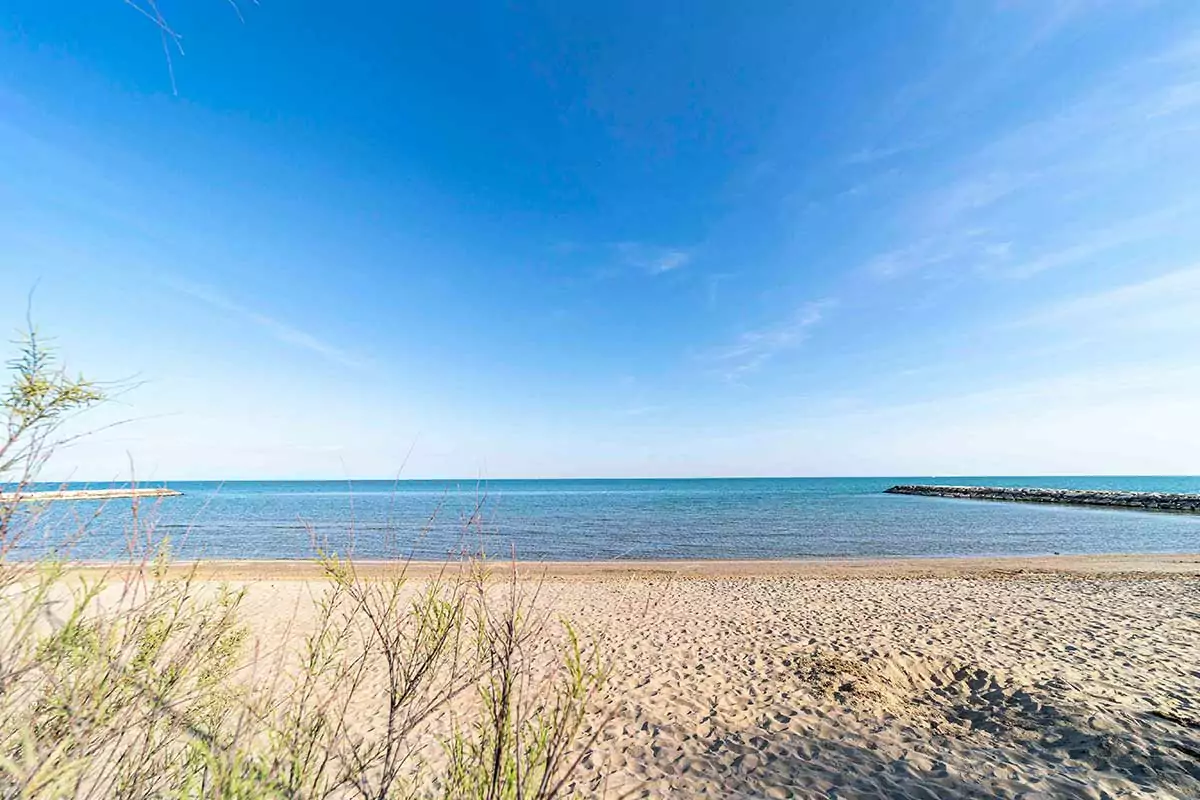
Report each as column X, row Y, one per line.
column 1052, row 677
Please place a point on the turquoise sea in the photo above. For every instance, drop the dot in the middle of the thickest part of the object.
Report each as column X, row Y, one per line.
column 753, row 518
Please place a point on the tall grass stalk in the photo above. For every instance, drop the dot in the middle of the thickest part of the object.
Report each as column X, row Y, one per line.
column 143, row 680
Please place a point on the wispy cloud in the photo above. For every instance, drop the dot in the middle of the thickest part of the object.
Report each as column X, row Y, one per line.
column 671, row 259
column 960, row 199
column 712, row 285
column 1175, row 99
column 1043, row 22
column 875, row 153
column 1185, row 51
column 652, row 259
column 1107, row 169
column 276, row 329
column 643, row 411
column 1166, row 302
column 754, row 348
column 1157, row 224
column 1053, row 17
column 949, row 227
column 972, row 246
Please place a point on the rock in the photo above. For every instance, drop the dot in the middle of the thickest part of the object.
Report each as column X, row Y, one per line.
column 1143, row 501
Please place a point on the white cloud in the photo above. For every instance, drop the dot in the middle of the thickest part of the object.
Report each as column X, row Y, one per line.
column 1054, row 16
column 1175, row 99
column 872, row 154
column 280, row 331
column 754, row 348
column 1185, row 52
column 669, row 260
column 946, row 206
column 971, row 246
column 1134, row 419
column 654, row 260
column 1157, row 224
column 1170, row 301
column 1116, row 160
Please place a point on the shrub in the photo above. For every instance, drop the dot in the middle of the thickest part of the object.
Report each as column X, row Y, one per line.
column 143, row 681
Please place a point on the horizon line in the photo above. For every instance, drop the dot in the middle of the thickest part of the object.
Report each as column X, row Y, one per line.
column 480, row 480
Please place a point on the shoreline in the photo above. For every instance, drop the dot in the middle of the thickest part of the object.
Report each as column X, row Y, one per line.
column 1175, row 564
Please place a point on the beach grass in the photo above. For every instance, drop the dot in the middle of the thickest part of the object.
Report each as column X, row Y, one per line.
column 138, row 680
column 146, row 682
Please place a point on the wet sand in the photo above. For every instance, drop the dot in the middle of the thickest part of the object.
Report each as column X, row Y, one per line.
column 1117, row 564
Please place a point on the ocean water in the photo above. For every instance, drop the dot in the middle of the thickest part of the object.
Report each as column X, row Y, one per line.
column 751, row 518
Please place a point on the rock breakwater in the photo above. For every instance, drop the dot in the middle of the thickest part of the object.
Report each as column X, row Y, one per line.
column 1141, row 501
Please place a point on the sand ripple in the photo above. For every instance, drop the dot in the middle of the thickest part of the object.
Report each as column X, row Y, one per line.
column 997, row 683
column 998, row 687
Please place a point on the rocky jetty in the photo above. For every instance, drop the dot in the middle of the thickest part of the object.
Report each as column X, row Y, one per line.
column 1141, row 501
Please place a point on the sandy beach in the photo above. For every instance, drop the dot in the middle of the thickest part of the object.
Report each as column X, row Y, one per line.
column 1047, row 677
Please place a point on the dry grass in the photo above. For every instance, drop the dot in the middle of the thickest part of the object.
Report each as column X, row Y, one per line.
column 147, row 686
column 143, row 682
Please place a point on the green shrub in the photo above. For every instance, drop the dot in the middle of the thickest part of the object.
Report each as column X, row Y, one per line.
column 145, row 682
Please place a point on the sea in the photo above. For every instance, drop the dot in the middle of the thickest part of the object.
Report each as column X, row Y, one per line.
column 581, row 520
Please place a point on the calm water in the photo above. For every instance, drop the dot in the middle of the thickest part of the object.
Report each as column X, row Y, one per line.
column 622, row 519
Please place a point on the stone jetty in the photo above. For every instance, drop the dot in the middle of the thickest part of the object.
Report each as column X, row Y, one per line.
column 86, row 494
column 1141, row 501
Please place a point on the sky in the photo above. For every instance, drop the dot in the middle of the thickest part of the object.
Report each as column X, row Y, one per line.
column 571, row 239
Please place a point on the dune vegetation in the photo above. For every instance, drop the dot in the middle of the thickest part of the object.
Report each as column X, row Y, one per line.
column 138, row 680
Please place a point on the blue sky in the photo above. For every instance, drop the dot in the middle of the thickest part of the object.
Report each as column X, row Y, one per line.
column 561, row 239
